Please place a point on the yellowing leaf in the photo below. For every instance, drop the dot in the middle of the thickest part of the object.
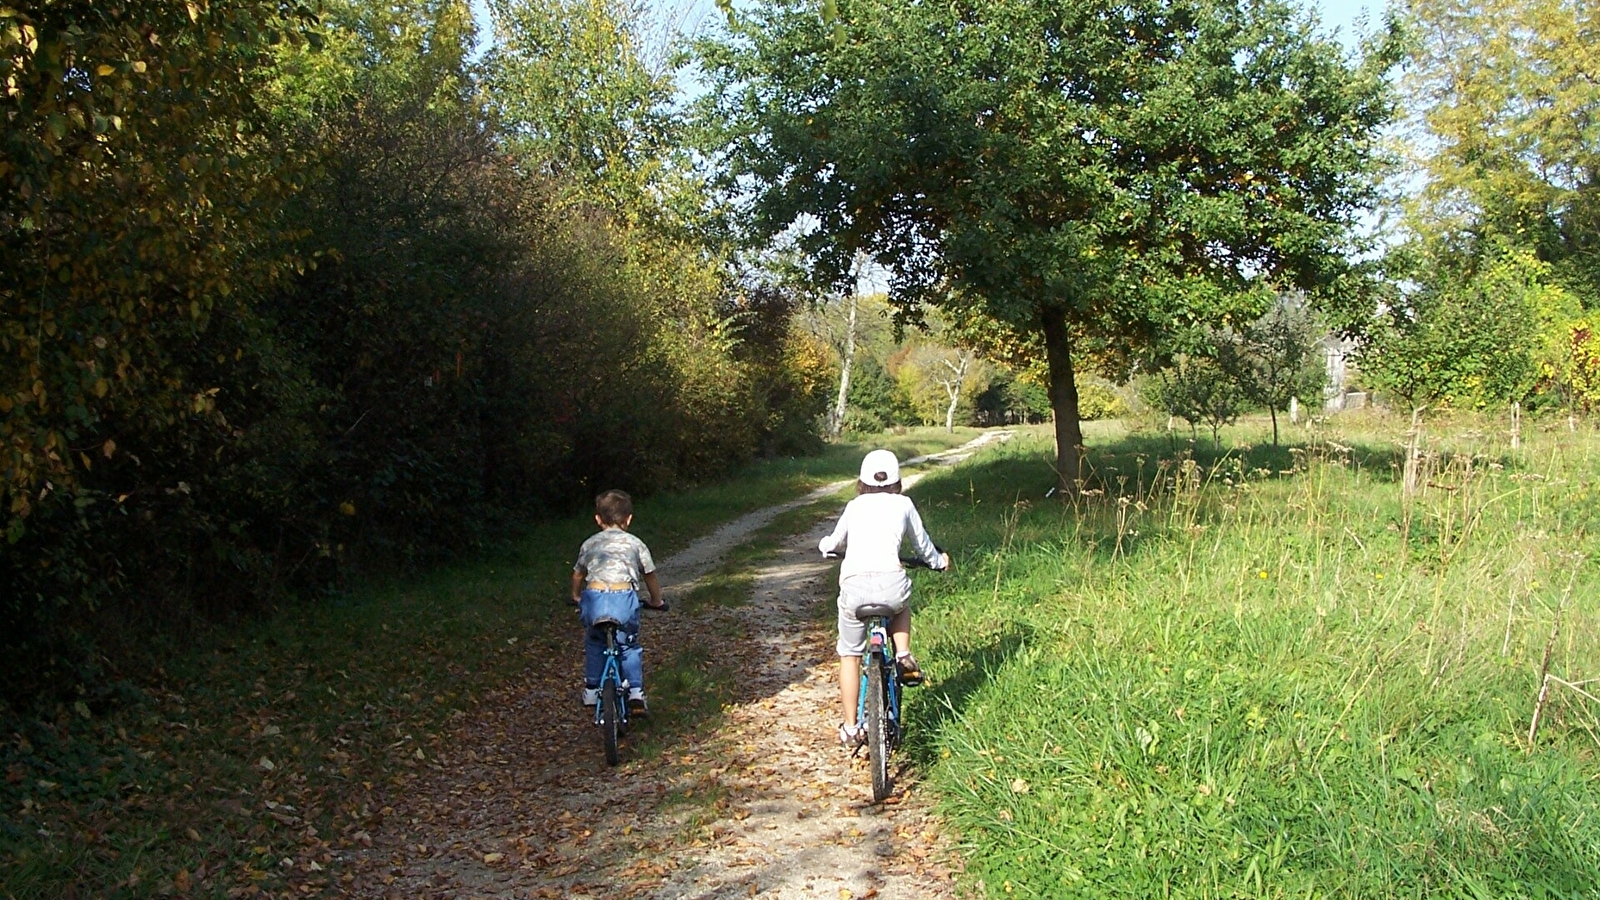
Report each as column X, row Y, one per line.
column 103, row 70
column 1019, row 786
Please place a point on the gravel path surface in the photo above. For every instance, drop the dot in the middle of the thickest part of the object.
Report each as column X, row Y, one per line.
column 760, row 802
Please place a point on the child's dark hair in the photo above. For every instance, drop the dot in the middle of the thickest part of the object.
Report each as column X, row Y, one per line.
column 613, row 507
column 864, row 488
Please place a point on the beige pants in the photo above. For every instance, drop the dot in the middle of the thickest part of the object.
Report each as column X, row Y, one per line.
column 890, row 589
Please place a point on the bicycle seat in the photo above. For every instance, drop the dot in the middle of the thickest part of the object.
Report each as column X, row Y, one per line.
column 871, row 610
column 606, row 620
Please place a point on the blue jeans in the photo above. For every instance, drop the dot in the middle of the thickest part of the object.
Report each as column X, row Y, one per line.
column 624, row 607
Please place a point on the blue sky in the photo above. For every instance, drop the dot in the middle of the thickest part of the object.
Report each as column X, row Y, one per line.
column 690, row 15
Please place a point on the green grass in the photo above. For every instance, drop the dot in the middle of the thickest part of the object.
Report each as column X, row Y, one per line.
column 1256, row 675
column 340, row 696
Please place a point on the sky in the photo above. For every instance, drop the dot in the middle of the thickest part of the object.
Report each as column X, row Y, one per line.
column 1335, row 13
column 691, row 16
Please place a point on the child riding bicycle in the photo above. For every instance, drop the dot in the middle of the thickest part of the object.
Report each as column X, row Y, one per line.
column 871, row 530
column 605, row 583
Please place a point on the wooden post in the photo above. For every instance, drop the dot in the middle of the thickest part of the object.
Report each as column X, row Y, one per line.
column 1411, row 475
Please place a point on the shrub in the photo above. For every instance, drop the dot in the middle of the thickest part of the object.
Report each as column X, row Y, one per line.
column 1097, row 400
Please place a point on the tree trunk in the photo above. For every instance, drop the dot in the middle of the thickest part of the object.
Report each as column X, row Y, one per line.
column 953, row 387
column 1274, row 413
column 1063, row 399
column 836, row 422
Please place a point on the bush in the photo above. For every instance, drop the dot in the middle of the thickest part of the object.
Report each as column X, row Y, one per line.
column 1099, row 401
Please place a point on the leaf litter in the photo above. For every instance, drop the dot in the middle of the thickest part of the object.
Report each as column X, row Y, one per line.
column 758, row 801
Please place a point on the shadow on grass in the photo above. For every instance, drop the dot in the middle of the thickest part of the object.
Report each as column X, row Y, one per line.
column 1126, row 505
column 945, row 700
column 1133, row 460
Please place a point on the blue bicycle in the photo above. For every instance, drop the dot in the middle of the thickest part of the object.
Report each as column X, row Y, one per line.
column 611, row 712
column 878, row 701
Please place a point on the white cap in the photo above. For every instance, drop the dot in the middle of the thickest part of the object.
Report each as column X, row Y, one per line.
column 880, row 468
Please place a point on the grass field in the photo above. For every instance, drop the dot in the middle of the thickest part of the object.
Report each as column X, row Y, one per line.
column 1266, row 672
column 277, row 739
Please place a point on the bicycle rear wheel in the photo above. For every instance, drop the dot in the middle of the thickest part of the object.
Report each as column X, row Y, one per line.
column 611, row 707
column 877, row 728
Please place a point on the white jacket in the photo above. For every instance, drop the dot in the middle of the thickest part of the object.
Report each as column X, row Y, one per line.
column 871, row 530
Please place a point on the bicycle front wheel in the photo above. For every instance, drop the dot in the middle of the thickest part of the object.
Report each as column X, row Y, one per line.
column 877, row 728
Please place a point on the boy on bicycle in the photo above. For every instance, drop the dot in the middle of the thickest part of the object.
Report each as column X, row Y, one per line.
column 605, row 582
column 871, row 530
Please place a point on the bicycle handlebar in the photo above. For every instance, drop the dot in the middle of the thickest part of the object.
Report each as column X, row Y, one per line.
column 910, row 562
column 665, row 605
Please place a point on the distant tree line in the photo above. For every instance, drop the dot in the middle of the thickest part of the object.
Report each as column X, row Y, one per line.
column 288, row 294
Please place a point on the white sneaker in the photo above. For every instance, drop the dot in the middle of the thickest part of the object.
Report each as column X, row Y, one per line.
column 591, row 696
column 636, row 694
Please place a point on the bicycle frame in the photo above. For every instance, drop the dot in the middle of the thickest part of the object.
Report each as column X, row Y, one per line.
column 612, row 673
column 878, row 654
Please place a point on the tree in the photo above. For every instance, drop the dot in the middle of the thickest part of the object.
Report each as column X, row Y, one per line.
column 1506, row 105
column 1469, row 338
column 1085, row 172
column 1011, row 398
column 1198, row 390
column 937, row 379
column 953, row 377
column 1274, row 358
column 575, row 97
column 846, row 362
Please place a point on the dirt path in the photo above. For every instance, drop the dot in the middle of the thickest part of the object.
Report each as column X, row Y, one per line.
column 760, row 803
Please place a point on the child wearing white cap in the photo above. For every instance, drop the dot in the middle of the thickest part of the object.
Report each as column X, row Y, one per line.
column 871, row 530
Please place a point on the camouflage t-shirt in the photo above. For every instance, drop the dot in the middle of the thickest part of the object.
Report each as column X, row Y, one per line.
column 616, row 556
